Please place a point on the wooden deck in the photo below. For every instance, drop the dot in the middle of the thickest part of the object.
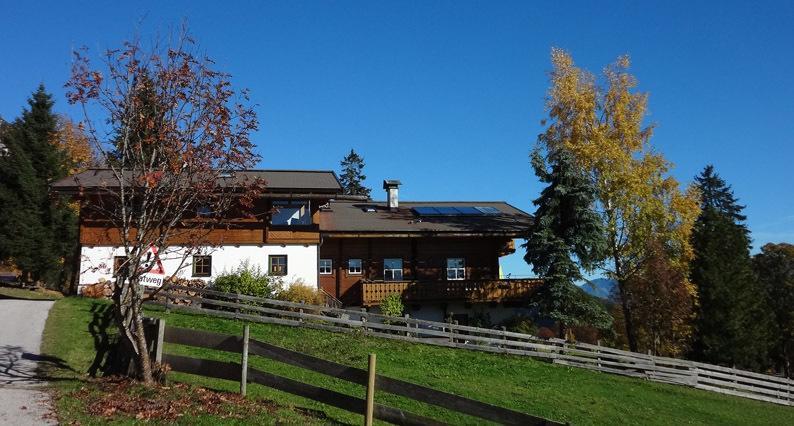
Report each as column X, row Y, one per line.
column 373, row 292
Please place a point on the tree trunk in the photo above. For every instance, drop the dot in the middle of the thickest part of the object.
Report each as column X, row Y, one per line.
column 127, row 300
column 625, row 303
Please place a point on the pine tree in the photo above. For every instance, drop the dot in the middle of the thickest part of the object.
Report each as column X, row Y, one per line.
column 731, row 321
column 566, row 236
column 774, row 267
column 352, row 176
column 40, row 232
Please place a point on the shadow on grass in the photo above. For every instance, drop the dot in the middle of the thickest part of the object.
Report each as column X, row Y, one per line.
column 109, row 359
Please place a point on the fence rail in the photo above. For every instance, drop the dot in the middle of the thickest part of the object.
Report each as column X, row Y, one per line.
column 241, row 372
column 708, row 377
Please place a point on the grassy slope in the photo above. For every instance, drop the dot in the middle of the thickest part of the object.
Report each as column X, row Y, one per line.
column 551, row 391
column 68, row 336
column 19, row 293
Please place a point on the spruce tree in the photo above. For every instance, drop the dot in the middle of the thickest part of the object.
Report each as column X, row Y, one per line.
column 566, row 236
column 352, row 176
column 731, row 320
column 39, row 231
column 774, row 267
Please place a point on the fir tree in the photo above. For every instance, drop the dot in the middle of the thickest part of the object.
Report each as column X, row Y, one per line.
column 566, row 236
column 731, row 320
column 352, row 176
column 774, row 267
column 38, row 232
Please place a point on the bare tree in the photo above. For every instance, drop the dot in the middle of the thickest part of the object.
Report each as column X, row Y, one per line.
column 174, row 135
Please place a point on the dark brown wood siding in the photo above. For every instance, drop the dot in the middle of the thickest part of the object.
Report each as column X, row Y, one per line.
column 239, row 230
column 424, row 259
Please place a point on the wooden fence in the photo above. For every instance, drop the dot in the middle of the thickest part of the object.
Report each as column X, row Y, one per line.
column 708, row 377
column 244, row 374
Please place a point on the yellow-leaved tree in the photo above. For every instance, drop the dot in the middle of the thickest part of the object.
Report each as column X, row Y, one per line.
column 72, row 141
column 603, row 126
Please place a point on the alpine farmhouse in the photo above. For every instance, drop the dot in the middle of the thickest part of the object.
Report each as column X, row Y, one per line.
column 442, row 257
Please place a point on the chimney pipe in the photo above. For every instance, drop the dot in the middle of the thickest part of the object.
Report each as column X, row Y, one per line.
column 391, row 191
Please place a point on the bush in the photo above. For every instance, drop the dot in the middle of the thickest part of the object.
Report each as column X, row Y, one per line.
column 392, row 305
column 299, row 292
column 546, row 333
column 520, row 324
column 248, row 280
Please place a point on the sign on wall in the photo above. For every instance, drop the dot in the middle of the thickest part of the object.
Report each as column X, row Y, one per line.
column 156, row 276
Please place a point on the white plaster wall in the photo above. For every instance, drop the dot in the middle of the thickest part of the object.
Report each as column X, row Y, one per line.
column 97, row 262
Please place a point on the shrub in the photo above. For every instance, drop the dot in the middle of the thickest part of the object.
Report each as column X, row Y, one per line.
column 546, row 333
column 520, row 324
column 392, row 305
column 300, row 292
column 248, row 280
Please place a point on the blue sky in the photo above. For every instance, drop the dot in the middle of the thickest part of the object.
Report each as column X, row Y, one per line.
column 447, row 96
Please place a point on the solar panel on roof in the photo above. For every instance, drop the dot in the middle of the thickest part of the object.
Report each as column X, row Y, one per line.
column 448, row 211
column 488, row 210
column 468, row 211
column 456, row 211
column 426, row 211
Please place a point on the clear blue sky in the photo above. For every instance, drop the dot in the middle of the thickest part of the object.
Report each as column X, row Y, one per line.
column 447, row 96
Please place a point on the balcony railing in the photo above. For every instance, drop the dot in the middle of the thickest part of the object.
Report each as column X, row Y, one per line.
column 373, row 292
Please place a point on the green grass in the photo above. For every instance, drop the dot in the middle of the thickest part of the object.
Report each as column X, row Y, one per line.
column 556, row 392
column 20, row 293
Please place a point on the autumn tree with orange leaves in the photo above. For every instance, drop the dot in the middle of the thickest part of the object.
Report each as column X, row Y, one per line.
column 172, row 131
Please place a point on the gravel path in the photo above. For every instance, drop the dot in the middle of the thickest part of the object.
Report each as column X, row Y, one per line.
column 22, row 402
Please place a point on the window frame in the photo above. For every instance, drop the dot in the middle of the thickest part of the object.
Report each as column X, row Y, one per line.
column 330, row 267
column 350, row 270
column 460, row 272
column 306, row 217
column 393, row 270
column 270, row 259
column 201, row 259
column 117, row 262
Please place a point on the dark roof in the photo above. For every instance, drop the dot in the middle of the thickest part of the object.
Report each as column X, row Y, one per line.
column 276, row 180
column 358, row 217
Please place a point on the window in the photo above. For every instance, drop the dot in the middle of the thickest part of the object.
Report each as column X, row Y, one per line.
column 118, row 262
column 203, row 211
column 456, row 268
column 392, row 269
column 326, row 267
column 354, row 266
column 202, row 266
column 291, row 213
column 278, row 264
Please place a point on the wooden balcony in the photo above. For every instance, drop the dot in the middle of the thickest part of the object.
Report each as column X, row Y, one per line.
column 372, row 292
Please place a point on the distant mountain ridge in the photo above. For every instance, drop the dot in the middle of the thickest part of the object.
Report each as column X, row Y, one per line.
column 599, row 287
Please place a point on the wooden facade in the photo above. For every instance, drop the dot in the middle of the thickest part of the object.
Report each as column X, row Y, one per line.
column 236, row 230
column 424, row 272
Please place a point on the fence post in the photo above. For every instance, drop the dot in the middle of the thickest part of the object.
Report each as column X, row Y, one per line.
column 452, row 332
column 364, row 321
column 158, row 345
column 370, row 391
column 300, row 318
column 407, row 326
column 244, row 362
column 504, row 337
column 598, row 352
